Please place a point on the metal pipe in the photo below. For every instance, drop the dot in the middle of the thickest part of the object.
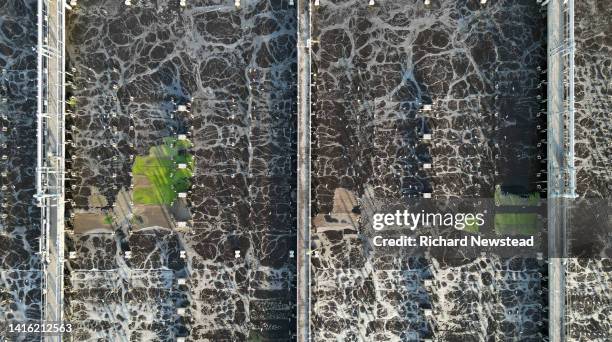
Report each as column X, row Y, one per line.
column 556, row 169
column 571, row 47
column 39, row 99
column 303, row 185
column 39, row 152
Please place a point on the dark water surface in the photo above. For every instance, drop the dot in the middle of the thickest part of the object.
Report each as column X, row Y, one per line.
column 19, row 216
column 479, row 67
column 589, row 280
column 374, row 68
column 236, row 70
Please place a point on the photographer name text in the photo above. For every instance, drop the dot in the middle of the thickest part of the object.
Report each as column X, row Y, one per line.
column 439, row 241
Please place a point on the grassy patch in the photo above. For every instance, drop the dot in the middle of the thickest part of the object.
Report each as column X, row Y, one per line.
column 254, row 336
column 502, row 198
column 161, row 168
column 471, row 226
column 521, row 224
column 71, row 102
column 108, row 219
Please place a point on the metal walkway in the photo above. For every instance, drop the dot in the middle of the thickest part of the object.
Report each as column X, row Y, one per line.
column 303, row 165
column 50, row 156
column 560, row 142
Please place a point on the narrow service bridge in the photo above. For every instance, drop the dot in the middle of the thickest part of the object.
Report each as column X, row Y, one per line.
column 50, row 157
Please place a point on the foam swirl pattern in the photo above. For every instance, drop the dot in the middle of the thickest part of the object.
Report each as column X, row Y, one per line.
column 375, row 67
column 19, row 217
column 236, row 69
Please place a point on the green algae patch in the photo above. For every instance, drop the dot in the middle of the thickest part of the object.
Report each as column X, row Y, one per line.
column 255, row 336
column 163, row 173
column 471, row 226
column 516, row 224
column 71, row 102
column 503, row 199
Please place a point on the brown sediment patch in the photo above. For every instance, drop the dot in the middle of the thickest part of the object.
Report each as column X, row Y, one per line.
column 96, row 199
column 142, row 215
column 141, row 181
column 150, row 216
column 122, row 207
column 88, row 222
column 344, row 201
column 180, row 210
column 342, row 216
